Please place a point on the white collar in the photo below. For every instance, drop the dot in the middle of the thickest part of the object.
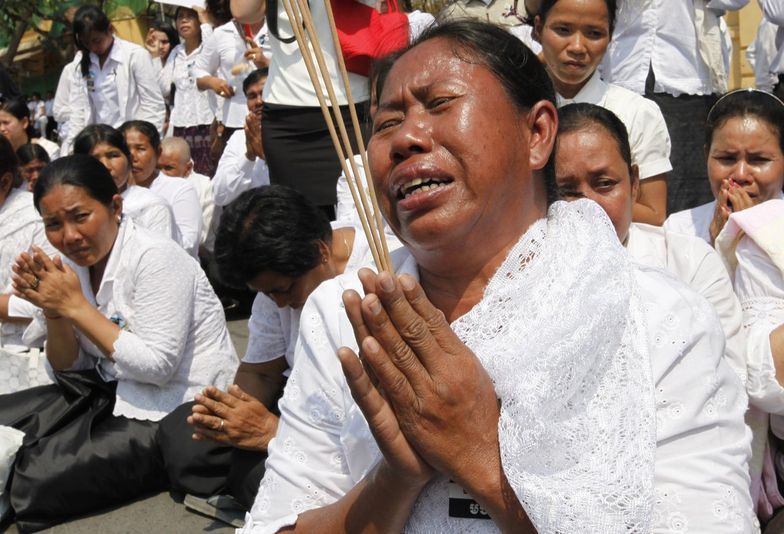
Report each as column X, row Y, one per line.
column 593, row 92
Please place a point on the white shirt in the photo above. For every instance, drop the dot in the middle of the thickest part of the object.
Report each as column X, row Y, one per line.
column 289, row 83
column 203, row 187
column 62, row 95
column 50, row 146
column 223, row 52
column 49, row 107
column 699, row 266
column 174, row 339
column 20, row 228
column 695, row 221
column 324, row 447
column 773, row 10
column 150, row 211
column 649, row 138
column 191, row 106
column 186, row 208
column 128, row 73
column 418, row 21
column 661, row 34
column 236, row 173
column 524, row 32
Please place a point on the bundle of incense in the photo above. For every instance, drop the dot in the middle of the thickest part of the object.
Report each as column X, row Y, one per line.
column 301, row 19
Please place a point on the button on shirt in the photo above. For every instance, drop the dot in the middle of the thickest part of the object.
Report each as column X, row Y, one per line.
column 223, row 53
column 660, row 34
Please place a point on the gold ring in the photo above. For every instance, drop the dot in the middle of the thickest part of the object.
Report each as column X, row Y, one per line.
column 221, row 425
column 34, row 285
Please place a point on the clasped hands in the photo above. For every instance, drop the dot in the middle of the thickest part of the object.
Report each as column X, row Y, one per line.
column 428, row 401
column 232, row 418
column 47, row 282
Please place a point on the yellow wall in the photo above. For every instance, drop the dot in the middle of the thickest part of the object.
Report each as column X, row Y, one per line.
column 743, row 27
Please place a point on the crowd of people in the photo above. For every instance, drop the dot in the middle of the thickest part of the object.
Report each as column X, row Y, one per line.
column 583, row 332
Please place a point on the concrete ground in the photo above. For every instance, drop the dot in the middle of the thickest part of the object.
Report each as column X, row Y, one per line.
column 163, row 512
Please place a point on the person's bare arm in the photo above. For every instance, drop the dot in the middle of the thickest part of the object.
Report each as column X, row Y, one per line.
column 651, row 205
column 777, row 349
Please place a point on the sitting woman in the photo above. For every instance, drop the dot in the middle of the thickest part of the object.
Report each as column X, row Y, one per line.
column 276, row 242
column 574, row 36
column 32, row 160
column 20, row 229
column 134, row 330
column 147, row 209
column 144, row 144
column 593, row 161
column 15, row 126
column 519, row 367
column 745, row 147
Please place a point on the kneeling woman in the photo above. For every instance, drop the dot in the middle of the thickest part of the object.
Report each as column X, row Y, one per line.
column 134, row 330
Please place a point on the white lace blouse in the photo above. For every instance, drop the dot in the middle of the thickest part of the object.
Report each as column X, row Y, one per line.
column 700, row 482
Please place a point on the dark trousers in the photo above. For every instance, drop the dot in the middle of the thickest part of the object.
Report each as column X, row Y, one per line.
column 685, row 115
column 76, row 456
column 206, row 468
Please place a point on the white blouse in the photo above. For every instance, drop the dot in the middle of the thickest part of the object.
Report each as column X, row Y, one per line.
column 699, row 266
column 649, row 138
column 191, row 106
column 150, row 211
column 324, row 447
column 174, row 340
column 186, row 208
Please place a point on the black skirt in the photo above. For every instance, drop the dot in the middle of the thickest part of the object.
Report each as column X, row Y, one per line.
column 299, row 149
column 76, row 456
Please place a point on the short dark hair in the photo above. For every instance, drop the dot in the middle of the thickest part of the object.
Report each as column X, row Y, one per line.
column 254, row 77
column 88, row 18
column 78, row 171
column 219, row 10
column 30, row 152
column 96, row 134
column 271, row 228
column 547, row 5
column 514, row 65
column 581, row 116
column 147, row 129
column 743, row 103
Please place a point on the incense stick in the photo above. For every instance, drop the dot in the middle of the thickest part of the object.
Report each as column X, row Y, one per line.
column 308, row 41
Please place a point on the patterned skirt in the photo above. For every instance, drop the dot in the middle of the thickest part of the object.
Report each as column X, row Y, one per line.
column 198, row 137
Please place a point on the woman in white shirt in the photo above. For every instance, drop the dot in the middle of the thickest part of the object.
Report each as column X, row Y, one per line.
column 498, row 376
column 144, row 144
column 15, row 126
column 277, row 243
column 745, row 148
column 574, row 36
column 134, row 330
column 191, row 113
column 149, row 210
column 115, row 81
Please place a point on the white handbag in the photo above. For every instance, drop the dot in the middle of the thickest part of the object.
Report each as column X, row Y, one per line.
column 22, row 370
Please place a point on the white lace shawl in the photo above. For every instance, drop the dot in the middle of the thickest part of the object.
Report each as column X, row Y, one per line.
column 577, row 429
column 560, row 334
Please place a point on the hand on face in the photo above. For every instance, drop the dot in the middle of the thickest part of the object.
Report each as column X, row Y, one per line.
column 434, row 404
column 731, row 198
column 48, row 283
column 233, row 418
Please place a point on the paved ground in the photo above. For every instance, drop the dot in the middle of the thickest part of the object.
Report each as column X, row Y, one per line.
column 162, row 513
